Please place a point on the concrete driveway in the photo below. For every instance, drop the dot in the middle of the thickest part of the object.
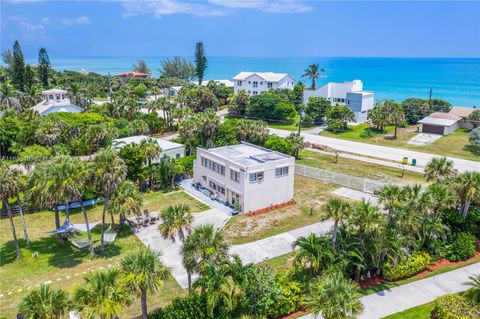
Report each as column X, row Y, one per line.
column 382, row 152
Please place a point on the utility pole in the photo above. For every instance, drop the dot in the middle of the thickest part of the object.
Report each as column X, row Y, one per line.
column 300, row 119
column 430, row 99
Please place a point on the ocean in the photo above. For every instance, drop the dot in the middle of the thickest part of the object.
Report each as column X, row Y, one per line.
column 456, row 80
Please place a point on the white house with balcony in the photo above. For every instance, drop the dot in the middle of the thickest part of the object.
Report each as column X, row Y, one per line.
column 56, row 100
column 350, row 94
column 255, row 82
column 245, row 175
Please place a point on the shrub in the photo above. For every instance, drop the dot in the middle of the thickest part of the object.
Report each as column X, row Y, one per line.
column 455, row 307
column 190, row 307
column 279, row 144
column 462, row 247
column 409, row 267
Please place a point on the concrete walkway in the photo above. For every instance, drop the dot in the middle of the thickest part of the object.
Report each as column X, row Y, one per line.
column 390, row 301
column 381, row 152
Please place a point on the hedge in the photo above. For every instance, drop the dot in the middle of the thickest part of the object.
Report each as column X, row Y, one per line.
column 409, row 267
column 455, row 307
column 189, row 307
column 462, row 248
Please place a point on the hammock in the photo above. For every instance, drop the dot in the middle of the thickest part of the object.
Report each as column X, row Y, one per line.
column 80, row 244
column 83, row 227
column 67, row 227
column 109, row 237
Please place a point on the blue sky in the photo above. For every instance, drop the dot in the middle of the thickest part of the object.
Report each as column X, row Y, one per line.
column 243, row 28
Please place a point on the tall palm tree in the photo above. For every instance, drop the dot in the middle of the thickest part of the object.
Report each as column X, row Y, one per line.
column 334, row 297
column 313, row 72
column 396, row 115
column 9, row 97
column 187, row 128
column 440, row 169
column 49, row 131
column 9, row 188
column 109, row 170
column 144, row 273
column 125, row 200
column 20, row 180
column 103, row 295
column 176, row 220
column 338, row 210
column 314, row 253
column 45, row 302
column 152, row 151
column 392, row 197
column 208, row 122
column 467, row 188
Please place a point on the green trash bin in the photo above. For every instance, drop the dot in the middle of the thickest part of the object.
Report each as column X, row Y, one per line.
column 414, row 162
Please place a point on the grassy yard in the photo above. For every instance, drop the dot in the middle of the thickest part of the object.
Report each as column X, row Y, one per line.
column 358, row 168
column 419, row 312
column 455, row 145
column 309, row 195
column 63, row 261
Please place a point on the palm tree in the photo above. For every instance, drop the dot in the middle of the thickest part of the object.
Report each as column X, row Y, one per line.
column 109, row 170
column 297, row 143
column 313, row 73
column 441, row 197
column 208, row 122
column 152, row 151
column 440, row 169
column 314, row 252
column 338, row 210
column 176, row 220
column 125, row 200
column 392, row 197
column 9, row 188
column 9, row 97
column 334, row 297
column 396, row 115
column 20, row 180
column 467, row 187
column 474, row 292
column 144, row 273
column 49, row 131
column 45, row 302
column 104, row 294
column 187, row 129
column 97, row 133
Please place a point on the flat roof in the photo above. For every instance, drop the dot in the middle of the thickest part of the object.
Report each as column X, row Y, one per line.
column 137, row 139
column 437, row 121
column 246, row 154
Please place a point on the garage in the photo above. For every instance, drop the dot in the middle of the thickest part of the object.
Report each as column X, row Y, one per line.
column 433, row 129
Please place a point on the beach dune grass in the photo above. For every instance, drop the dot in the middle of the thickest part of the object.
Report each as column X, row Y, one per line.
column 48, row 260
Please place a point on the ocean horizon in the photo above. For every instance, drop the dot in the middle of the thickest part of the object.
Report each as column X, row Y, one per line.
column 456, row 80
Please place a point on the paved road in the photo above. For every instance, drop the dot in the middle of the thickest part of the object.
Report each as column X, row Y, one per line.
column 382, row 152
column 388, row 302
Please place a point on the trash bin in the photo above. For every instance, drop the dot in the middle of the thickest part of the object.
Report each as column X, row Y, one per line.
column 414, row 162
column 405, row 160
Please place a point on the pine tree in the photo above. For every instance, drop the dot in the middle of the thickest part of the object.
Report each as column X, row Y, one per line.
column 200, row 62
column 18, row 70
column 43, row 67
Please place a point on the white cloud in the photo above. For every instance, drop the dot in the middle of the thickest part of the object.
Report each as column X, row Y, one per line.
column 30, row 29
column 160, row 8
column 77, row 21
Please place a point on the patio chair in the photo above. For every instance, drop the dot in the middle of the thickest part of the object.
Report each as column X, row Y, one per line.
column 146, row 222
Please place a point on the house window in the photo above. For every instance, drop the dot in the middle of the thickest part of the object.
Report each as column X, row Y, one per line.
column 255, row 84
column 235, row 176
column 261, row 83
column 214, row 166
column 281, row 171
column 270, row 85
column 177, row 155
column 239, row 83
column 249, row 92
column 255, row 92
column 254, row 177
column 249, row 82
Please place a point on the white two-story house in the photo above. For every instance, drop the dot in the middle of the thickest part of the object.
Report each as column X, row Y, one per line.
column 255, row 82
column 246, row 175
column 350, row 94
column 56, row 100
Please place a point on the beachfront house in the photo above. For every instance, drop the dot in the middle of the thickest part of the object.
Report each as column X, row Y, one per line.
column 350, row 94
column 255, row 82
column 56, row 100
column 442, row 123
column 134, row 74
column 169, row 149
column 246, row 176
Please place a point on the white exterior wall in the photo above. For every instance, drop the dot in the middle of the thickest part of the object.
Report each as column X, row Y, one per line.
column 253, row 195
column 360, row 103
column 450, row 129
column 262, row 85
column 172, row 153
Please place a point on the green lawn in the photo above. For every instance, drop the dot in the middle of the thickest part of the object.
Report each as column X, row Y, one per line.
column 63, row 261
column 454, row 145
column 309, row 195
column 358, row 168
column 419, row 312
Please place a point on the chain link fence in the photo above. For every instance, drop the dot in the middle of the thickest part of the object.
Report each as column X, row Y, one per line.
column 362, row 184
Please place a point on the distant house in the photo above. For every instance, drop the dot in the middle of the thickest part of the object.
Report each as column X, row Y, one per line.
column 246, row 175
column 446, row 123
column 350, row 94
column 227, row 83
column 56, row 100
column 256, row 82
column 134, row 74
column 169, row 149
